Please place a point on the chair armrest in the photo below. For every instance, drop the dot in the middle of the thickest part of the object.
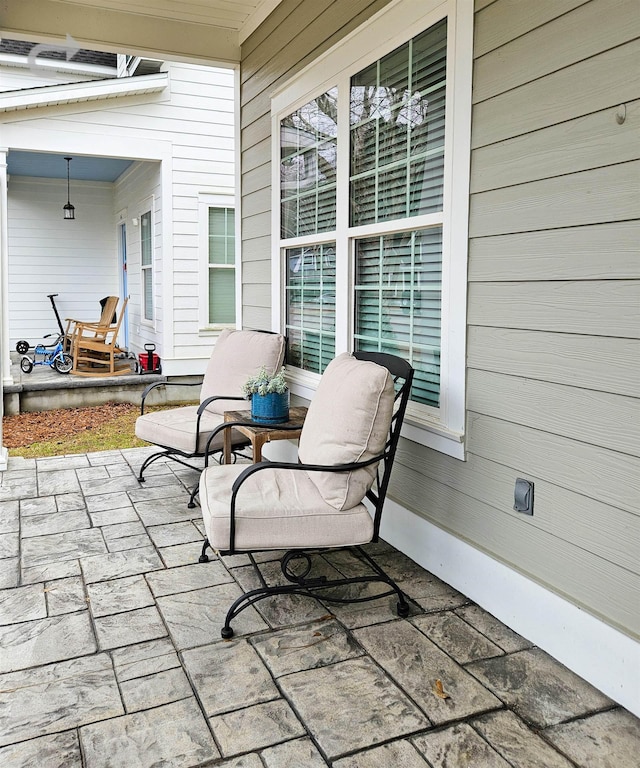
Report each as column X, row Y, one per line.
column 251, row 470
column 206, row 403
column 201, row 409
column 217, row 430
column 245, row 474
column 81, row 326
column 155, row 384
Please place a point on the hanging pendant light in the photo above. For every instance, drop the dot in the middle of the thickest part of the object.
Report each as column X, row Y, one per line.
column 69, row 210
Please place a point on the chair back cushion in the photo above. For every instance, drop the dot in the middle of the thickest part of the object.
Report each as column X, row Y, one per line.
column 348, row 420
column 236, row 356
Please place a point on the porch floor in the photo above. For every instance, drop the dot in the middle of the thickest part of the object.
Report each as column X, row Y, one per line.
column 46, row 389
column 111, row 653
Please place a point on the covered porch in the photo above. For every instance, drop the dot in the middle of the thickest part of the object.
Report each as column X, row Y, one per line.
column 111, row 650
column 539, row 371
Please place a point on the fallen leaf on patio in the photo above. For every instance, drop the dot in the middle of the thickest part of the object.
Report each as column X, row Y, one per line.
column 306, row 645
column 440, row 691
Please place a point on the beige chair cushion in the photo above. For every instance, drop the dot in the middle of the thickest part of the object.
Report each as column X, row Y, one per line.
column 277, row 509
column 236, row 356
column 176, row 428
column 348, row 420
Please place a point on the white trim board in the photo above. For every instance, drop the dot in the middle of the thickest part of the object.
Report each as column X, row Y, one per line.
column 600, row 654
column 71, row 93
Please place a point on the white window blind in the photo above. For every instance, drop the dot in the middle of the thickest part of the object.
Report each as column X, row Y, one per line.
column 311, row 306
column 398, row 303
column 308, row 167
column 222, row 273
column 308, row 159
column 146, row 258
column 397, row 120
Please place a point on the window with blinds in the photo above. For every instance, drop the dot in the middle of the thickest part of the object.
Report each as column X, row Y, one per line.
column 146, row 260
column 397, row 303
column 308, row 161
column 308, row 145
column 372, row 189
column 311, row 306
column 222, row 271
column 397, row 110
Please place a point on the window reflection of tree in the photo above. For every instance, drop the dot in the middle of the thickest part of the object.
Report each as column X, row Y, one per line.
column 308, row 167
column 311, row 306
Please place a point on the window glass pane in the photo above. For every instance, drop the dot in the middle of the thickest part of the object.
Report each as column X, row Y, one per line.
column 222, row 295
column 397, row 303
column 147, row 277
column 397, row 131
column 146, row 239
column 221, row 236
column 308, row 167
column 146, row 257
column 311, row 306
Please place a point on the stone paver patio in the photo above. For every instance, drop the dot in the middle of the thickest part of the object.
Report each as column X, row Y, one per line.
column 111, row 657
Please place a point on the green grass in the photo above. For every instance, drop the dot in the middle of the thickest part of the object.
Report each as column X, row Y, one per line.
column 113, row 435
column 108, row 435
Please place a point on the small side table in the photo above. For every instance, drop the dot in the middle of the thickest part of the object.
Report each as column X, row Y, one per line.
column 259, row 434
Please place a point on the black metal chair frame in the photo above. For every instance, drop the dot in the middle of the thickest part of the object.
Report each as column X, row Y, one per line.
column 180, row 456
column 296, row 564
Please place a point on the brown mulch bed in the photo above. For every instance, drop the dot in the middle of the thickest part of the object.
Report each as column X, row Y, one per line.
column 26, row 428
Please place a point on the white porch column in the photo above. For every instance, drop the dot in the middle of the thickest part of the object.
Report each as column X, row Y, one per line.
column 5, row 360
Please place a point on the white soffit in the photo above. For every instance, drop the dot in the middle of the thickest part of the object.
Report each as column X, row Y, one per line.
column 180, row 29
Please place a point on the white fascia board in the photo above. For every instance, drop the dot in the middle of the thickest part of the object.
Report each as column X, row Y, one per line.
column 51, row 95
column 256, row 17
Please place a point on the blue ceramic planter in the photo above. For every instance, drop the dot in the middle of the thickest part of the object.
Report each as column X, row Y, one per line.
column 270, row 409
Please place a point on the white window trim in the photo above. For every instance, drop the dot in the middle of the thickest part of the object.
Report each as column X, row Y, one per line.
column 148, row 206
column 393, row 26
column 206, row 201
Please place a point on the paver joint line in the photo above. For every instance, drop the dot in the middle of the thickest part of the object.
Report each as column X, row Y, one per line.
column 115, row 624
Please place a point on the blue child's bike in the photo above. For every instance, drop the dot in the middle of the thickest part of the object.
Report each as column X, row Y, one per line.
column 52, row 355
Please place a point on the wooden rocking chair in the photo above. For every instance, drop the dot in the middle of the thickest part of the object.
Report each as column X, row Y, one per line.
column 96, row 349
column 99, row 328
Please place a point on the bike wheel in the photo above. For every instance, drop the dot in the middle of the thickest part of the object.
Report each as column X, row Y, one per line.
column 26, row 365
column 22, row 347
column 63, row 363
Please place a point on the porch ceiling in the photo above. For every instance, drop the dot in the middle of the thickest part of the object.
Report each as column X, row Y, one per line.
column 207, row 30
column 46, row 165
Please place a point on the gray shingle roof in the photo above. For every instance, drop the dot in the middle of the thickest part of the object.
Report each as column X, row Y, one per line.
column 22, row 48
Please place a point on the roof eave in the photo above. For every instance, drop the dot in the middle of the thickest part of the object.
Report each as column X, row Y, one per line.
column 94, row 90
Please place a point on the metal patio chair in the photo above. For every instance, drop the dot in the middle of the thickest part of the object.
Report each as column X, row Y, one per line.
column 346, row 452
column 187, row 432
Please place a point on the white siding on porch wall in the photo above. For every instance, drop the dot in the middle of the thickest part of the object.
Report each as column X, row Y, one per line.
column 186, row 134
column 139, row 190
column 75, row 259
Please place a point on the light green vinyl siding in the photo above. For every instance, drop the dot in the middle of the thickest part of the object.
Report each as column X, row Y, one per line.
column 553, row 346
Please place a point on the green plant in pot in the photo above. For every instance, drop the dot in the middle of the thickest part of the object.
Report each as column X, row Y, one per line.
column 269, row 395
